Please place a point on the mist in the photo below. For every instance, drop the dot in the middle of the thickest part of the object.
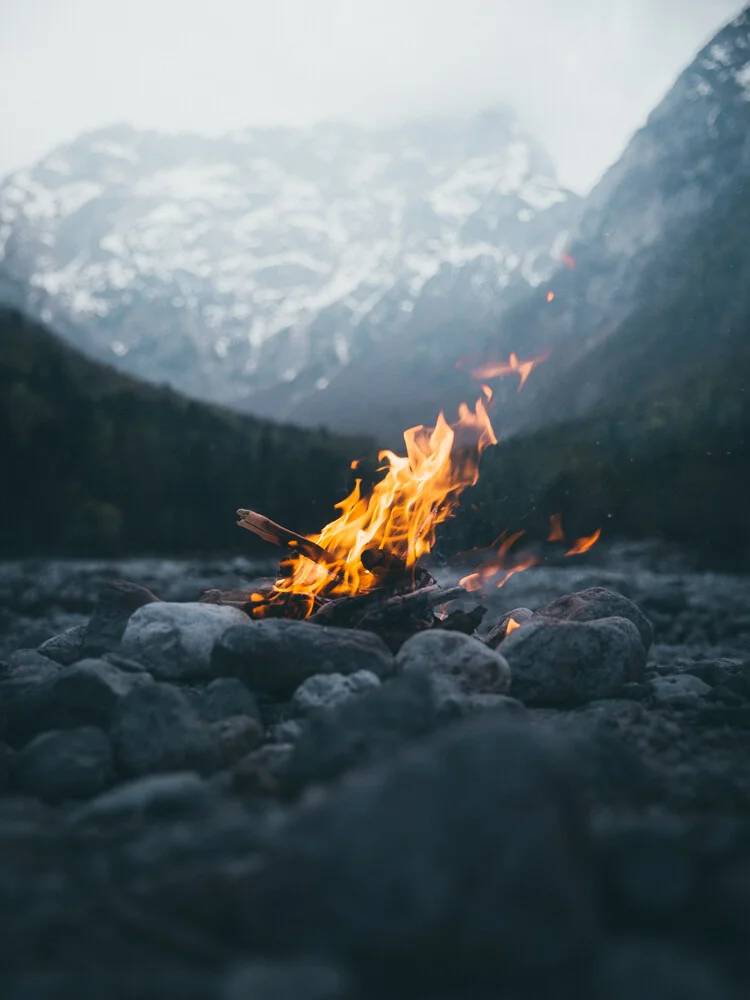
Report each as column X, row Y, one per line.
column 583, row 75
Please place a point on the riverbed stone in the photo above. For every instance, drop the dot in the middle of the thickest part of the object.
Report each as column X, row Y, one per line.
column 156, row 729
column 327, row 690
column 275, row 656
column 65, row 764
column 596, row 603
column 473, row 667
column 570, row 662
column 175, row 641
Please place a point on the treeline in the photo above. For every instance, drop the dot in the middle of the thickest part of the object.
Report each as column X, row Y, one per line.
column 96, row 463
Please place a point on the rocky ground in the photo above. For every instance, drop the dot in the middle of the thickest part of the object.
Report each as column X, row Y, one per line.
column 202, row 807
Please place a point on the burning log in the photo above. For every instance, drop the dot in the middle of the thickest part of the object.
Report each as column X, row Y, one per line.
column 362, row 570
column 268, row 530
column 408, row 606
column 462, row 621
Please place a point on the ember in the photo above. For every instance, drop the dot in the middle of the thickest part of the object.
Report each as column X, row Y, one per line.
column 493, row 369
column 568, row 260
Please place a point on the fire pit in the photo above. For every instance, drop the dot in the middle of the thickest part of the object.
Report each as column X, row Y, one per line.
column 363, row 569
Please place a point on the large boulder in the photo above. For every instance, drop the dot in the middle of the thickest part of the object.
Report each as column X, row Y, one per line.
column 570, row 662
column 275, row 656
column 594, row 603
column 156, row 729
column 474, row 668
column 175, row 641
column 466, row 855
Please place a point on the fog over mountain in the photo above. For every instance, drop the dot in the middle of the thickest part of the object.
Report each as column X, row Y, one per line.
column 583, row 75
column 251, row 269
column 335, row 274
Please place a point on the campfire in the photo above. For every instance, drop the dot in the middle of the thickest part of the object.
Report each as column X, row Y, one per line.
column 363, row 569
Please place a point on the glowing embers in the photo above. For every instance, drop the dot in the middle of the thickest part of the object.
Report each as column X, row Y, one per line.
column 493, row 369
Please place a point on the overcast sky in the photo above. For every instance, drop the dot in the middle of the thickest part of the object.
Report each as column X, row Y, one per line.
column 582, row 73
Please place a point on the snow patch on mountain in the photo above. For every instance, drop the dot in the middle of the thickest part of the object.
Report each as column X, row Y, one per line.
column 225, row 265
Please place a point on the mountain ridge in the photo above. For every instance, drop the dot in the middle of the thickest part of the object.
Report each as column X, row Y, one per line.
column 691, row 152
column 251, row 268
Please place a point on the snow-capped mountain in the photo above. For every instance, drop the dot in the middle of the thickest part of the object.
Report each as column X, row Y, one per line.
column 672, row 182
column 252, row 268
column 637, row 245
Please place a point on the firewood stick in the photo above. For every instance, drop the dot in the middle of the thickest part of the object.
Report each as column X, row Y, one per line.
column 275, row 533
column 406, row 605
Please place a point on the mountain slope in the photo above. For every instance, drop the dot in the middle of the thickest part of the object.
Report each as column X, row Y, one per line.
column 95, row 462
column 668, row 454
column 627, row 251
column 252, row 268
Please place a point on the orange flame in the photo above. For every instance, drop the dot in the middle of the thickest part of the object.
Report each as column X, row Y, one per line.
column 584, row 544
column 550, row 296
column 511, row 626
column 491, row 568
column 400, row 515
column 556, row 532
column 492, row 369
column 568, row 260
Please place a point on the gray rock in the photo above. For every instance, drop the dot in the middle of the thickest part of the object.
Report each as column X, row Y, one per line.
column 175, row 641
column 287, row 732
column 467, row 852
column 226, row 697
column 326, row 690
column 156, row 729
column 21, row 676
column 65, row 648
column 29, row 663
column 275, row 656
column 679, row 689
column 179, row 793
column 288, row 980
column 65, row 764
column 370, row 727
column 568, row 662
column 474, row 667
column 594, row 603
column 116, row 602
column 498, row 631
column 84, row 694
column 237, row 736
